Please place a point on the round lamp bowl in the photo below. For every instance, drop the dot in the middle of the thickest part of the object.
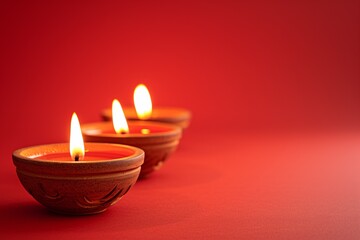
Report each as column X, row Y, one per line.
column 158, row 145
column 83, row 187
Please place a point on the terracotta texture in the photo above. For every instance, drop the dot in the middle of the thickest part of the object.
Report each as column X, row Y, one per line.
column 77, row 188
column 157, row 146
column 178, row 116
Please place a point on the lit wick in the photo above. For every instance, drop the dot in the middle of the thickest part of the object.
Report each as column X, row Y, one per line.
column 119, row 120
column 77, row 150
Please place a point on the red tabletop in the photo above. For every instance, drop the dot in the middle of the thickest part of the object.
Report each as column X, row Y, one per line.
column 290, row 186
column 272, row 151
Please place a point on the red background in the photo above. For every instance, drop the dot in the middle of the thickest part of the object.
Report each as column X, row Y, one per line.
column 272, row 150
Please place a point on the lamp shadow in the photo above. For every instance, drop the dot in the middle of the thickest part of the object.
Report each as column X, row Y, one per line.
column 128, row 214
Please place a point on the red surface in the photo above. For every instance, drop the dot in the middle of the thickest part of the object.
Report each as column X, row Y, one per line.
column 273, row 147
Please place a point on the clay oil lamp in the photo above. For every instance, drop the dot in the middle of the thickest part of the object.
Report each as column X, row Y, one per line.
column 158, row 140
column 143, row 110
column 79, row 179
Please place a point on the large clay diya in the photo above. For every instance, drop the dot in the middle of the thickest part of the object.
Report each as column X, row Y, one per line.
column 82, row 183
column 143, row 110
column 158, row 140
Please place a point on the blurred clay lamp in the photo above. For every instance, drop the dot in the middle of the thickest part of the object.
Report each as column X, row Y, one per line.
column 158, row 140
column 143, row 110
column 81, row 178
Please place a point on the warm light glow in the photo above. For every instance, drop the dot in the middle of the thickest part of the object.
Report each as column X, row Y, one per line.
column 142, row 101
column 118, row 117
column 77, row 150
column 145, row 131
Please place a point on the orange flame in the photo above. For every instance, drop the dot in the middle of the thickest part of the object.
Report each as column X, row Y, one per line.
column 118, row 117
column 142, row 101
column 77, row 149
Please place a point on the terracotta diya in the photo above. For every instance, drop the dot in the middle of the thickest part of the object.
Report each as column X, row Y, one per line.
column 158, row 140
column 81, row 178
column 143, row 110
